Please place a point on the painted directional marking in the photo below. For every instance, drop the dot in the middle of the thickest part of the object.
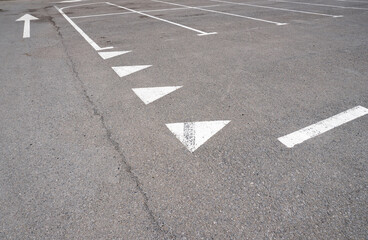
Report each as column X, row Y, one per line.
column 148, row 95
column 27, row 18
column 194, row 134
column 107, row 55
column 316, row 129
column 123, row 71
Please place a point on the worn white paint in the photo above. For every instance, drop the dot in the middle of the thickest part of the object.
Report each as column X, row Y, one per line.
column 314, row 130
column 352, row 1
column 27, row 18
column 123, row 71
column 107, row 55
column 70, row 1
column 194, row 134
column 319, row 4
column 201, row 33
column 280, row 9
column 144, row 11
column 79, row 30
column 148, row 95
column 223, row 13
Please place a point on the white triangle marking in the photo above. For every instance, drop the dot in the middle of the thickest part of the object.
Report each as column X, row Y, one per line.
column 107, row 55
column 194, row 134
column 148, row 95
column 126, row 70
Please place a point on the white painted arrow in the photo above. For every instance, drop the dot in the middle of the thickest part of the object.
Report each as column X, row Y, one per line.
column 123, row 71
column 148, row 95
column 27, row 28
column 107, row 55
column 194, row 134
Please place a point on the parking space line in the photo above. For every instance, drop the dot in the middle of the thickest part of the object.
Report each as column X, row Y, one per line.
column 145, row 11
column 224, row 13
column 281, row 9
column 318, row 4
column 314, row 130
column 200, row 33
column 81, row 5
column 352, row 1
column 80, row 31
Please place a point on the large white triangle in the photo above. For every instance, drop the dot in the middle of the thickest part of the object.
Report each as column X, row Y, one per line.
column 123, row 71
column 148, row 95
column 194, row 134
column 107, row 55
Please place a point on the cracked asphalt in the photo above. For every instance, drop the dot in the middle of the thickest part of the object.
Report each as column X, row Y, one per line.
column 82, row 157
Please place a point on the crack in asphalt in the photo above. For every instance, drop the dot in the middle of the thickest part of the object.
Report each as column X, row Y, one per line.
column 127, row 167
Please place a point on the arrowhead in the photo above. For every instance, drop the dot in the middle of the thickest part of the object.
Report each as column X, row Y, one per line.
column 27, row 17
column 107, row 55
column 194, row 134
column 148, row 95
column 123, row 71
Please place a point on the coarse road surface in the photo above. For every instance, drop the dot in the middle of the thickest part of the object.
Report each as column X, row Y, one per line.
column 184, row 119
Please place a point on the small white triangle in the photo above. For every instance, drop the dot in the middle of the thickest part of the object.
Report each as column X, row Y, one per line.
column 107, row 55
column 126, row 70
column 148, row 95
column 27, row 17
column 194, row 134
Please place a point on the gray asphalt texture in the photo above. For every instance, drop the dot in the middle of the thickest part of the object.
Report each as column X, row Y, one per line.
column 82, row 157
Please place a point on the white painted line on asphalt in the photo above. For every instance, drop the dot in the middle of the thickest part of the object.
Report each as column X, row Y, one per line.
column 148, row 95
column 223, row 13
column 160, row 19
column 352, row 1
column 81, row 5
column 318, row 4
column 144, row 11
column 194, row 134
column 123, row 71
column 314, row 130
column 107, row 55
column 70, row 1
column 80, row 31
column 27, row 18
column 280, row 9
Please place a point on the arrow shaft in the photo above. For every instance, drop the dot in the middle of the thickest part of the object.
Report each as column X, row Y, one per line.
column 27, row 29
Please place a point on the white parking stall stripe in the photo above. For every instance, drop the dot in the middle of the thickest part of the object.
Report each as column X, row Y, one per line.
column 200, row 33
column 223, row 13
column 275, row 8
column 80, row 31
column 146, row 11
column 318, row 4
column 316, row 129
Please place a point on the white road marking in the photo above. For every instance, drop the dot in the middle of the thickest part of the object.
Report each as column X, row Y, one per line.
column 27, row 18
column 84, row 4
column 144, row 11
column 281, row 9
column 70, row 1
column 194, row 134
column 123, row 71
column 80, row 31
column 314, row 130
column 318, row 4
column 163, row 20
column 352, row 1
column 148, row 95
column 224, row 13
column 107, row 55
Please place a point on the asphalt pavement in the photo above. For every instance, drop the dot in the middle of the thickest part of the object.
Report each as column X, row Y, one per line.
column 184, row 119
